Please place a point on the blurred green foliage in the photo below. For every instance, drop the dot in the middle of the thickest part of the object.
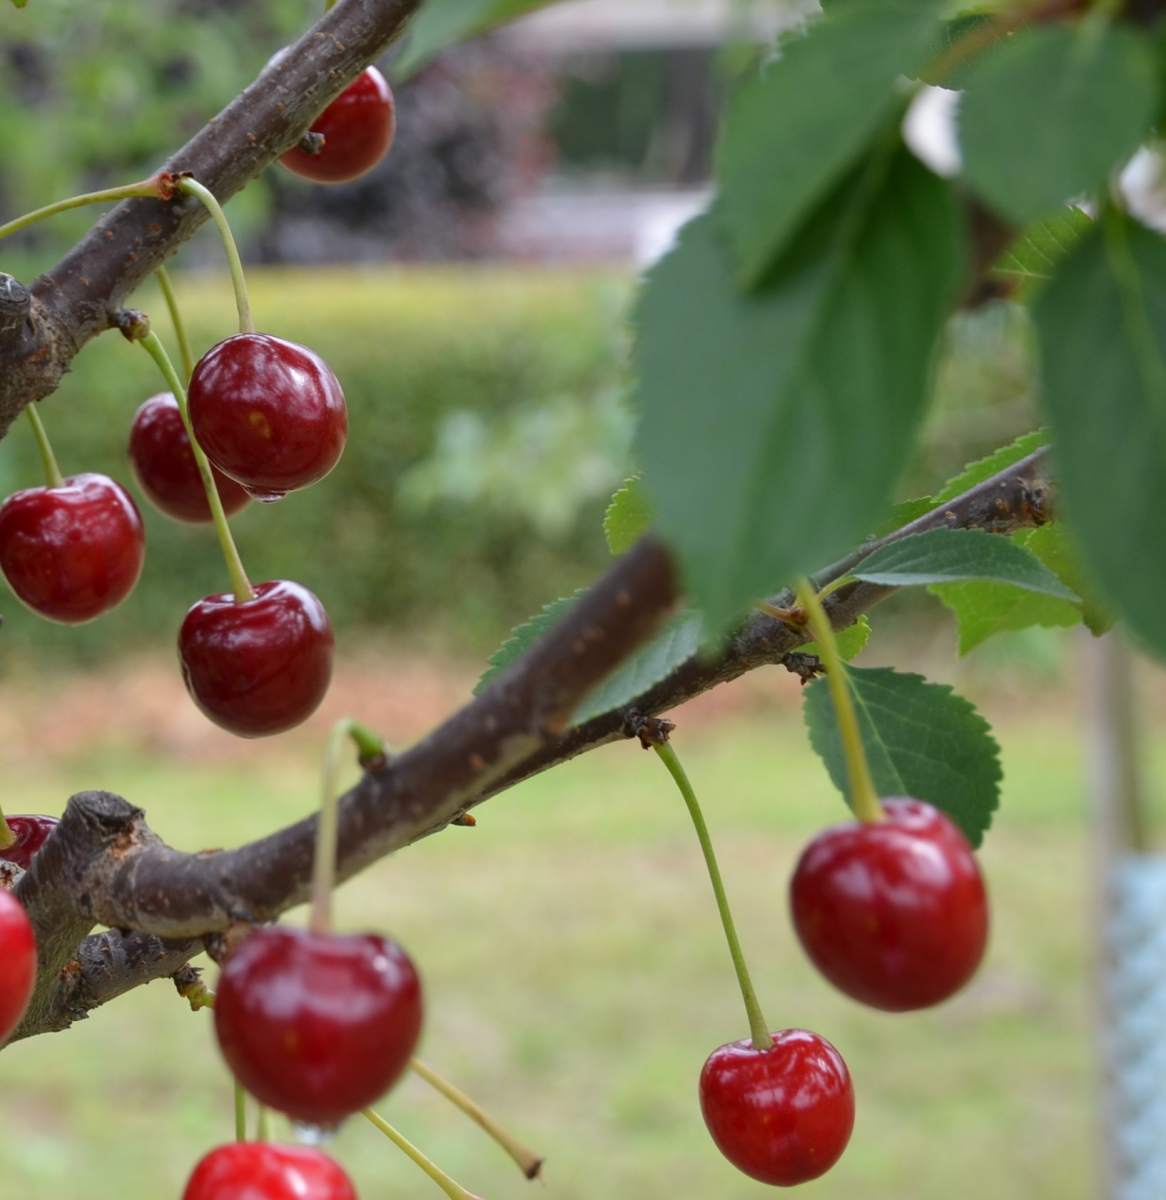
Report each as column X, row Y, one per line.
column 530, row 360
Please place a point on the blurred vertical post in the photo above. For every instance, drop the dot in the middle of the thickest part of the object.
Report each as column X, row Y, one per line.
column 1132, row 951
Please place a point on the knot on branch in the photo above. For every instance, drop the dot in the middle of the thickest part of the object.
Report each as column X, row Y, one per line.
column 15, row 305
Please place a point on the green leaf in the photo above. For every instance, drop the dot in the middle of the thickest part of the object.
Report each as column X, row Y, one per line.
column 956, row 555
column 679, row 640
column 442, row 23
column 984, row 609
column 628, row 516
column 992, row 464
column 796, row 129
column 523, row 636
column 1049, row 111
column 921, row 740
column 851, row 641
column 1030, row 259
column 774, row 425
column 1101, row 331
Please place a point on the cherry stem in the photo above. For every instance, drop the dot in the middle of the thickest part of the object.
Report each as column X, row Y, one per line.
column 762, row 1039
column 7, row 837
column 240, row 1113
column 144, row 187
column 324, row 866
column 239, row 581
column 192, row 187
column 53, row 475
column 176, row 320
column 448, row 1185
column 864, row 799
column 528, row 1162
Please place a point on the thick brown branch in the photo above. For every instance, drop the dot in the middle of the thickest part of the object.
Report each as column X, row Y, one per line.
column 76, row 299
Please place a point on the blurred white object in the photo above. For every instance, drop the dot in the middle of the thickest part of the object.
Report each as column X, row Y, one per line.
column 1143, row 183
column 929, row 129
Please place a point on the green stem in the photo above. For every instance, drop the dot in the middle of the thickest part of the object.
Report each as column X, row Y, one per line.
column 324, row 865
column 528, row 1162
column 240, row 1113
column 193, row 188
column 144, row 187
column 53, row 475
column 176, row 320
column 239, row 581
column 757, row 1026
column 7, row 837
column 449, row 1186
column 863, row 797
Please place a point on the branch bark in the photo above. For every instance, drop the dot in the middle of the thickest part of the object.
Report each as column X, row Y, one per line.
column 123, row 876
column 76, row 300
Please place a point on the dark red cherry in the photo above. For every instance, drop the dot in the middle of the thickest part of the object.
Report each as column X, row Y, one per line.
column 782, row 1115
column 268, row 413
column 892, row 912
column 72, row 552
column 267, row 1171
column 317, row 1025
column 31, row 833
column 358, row 128
column 258, row 666
column 17, row 962
column 164, row 464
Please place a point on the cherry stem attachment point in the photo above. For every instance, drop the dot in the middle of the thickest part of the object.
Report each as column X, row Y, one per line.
column 240, row 1113
column 192, row 187
column 448, row 1185
column 143, row 187
column 239, row 581
column 762, row 1038
column 48, row 459
column 168, row 294
column 864, row 799
column 528, row 1162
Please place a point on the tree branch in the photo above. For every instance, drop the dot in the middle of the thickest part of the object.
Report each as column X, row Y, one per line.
column 76, row 300
column 129, row 879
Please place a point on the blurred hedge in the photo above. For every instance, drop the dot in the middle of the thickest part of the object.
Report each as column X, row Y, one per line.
column 411, row 348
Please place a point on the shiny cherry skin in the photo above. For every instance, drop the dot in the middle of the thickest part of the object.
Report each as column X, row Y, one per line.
column 31, row 832
column 267, row 1171
column 268, row 413
column 72, row 552
column 358, row 128
column 892, row 912
column 782, row 1115
column 17, row 962
column 316, row 1025
column 259, row 666
column 164, row 465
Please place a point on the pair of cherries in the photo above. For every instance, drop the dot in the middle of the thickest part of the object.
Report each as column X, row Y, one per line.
column 895, row 914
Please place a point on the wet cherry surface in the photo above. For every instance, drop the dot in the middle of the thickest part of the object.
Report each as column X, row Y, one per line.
column 72, row 552
column 17, row 962
column 317, row 1025
column 893, row 912
column 31, row 831
column 267, row 1171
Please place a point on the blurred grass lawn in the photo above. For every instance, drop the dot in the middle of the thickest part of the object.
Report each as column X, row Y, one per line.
column 577, row 978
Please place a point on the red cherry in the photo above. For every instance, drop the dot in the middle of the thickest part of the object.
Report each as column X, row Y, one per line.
column 267, row 1171
column 259, row 666
column 31, row 833
column 358, row 128
column 317, row 1025
column 268, row 413
column 782, row 1115
column 893, row 912
column 164, row 464
column 17, row 962
column 72, row 552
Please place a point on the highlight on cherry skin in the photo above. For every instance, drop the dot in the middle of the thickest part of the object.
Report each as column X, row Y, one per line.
column 268, row 413
column 164, row 466
column 893, row 912
column 267, row 1171
column 32, row 831
column 17, row 962
column 317, row 1025
column 261, row 666
column 783, row 1114
column 72, row 552
column 357, row 127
